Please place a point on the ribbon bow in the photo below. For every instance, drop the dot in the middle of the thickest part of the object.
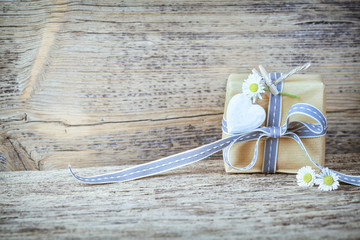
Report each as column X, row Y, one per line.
column 294, row 130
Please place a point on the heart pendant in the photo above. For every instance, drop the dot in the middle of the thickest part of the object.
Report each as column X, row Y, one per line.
column 243, row 116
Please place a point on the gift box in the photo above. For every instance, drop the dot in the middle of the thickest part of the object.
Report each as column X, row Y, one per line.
column 290, row 157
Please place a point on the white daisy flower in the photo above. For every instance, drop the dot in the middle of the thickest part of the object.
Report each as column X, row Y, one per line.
column 306, row 177
column 327, row 180
column 253, row 86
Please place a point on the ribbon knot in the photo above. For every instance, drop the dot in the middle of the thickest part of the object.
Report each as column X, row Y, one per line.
column 275, row 132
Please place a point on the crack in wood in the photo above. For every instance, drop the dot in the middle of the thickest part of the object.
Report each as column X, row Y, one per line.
column 18, row 155
column 324, row 23
column 14, row 156
column 20, row 117
column 114, row 122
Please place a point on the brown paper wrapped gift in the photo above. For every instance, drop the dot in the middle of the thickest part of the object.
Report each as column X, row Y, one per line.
column 309, row 89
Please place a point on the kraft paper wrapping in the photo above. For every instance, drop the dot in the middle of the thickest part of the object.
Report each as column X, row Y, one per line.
column 310, row 89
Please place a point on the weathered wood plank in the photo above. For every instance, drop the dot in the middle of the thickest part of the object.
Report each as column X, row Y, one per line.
column 94, row 141
column 199, row 201
column 98, row 64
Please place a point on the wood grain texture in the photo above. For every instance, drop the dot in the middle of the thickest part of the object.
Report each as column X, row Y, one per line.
column 101, row 83
column 199, row 201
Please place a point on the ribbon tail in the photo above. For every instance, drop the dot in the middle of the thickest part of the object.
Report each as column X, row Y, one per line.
column 158, row 166
column 354, row 180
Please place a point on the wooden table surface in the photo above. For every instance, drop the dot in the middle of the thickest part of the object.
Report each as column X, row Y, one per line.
column 199, row 201
column 107, row 84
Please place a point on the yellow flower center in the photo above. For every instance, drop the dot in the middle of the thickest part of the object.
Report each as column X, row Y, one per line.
column 328, row 180
column 307, row 177
column 253, row 87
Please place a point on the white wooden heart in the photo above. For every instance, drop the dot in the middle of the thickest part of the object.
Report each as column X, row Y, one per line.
column 242, row 115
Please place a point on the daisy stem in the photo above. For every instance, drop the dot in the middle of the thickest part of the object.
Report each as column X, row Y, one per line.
column 288, row 94
column 285, row 94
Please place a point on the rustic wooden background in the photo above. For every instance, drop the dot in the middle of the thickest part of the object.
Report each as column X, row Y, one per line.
column 98, row 83
column 107, row 83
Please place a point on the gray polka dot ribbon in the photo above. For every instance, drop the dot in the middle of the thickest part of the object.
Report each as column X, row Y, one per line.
column 294, row 130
